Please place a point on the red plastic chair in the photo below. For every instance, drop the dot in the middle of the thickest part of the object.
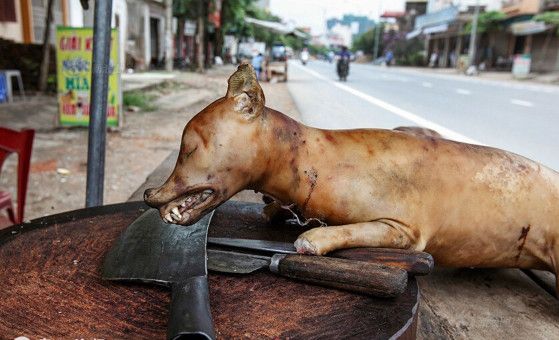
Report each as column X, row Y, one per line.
column 20, row 142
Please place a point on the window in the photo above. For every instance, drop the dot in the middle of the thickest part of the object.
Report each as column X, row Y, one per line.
column 7, row 10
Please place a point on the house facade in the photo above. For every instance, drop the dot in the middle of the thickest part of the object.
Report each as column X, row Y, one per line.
column 140, row 23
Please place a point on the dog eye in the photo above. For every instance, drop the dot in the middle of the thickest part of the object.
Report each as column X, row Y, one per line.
column 189, row 153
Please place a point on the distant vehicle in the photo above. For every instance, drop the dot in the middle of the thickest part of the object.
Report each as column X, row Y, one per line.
column 279, row 52
column 289, row 52
column 276, row 65
column 247, row 50
column 304, row 56
column 342, row 67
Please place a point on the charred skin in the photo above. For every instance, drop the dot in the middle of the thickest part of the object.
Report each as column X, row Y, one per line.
column 467, row 205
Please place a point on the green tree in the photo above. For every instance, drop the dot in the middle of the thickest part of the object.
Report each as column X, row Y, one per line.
column 233, row 13
column 549, row 18
column 487, row 25
column 366, row 41
column 487, row 21
column 194, row 10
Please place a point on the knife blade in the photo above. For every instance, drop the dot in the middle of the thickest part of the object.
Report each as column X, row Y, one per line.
column 414, row 262
column 355, row 276
column 262, row 245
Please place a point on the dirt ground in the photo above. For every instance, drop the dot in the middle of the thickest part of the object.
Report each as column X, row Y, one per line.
column 57, row 179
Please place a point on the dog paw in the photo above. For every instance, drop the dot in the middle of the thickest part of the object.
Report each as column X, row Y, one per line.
column 304, row 246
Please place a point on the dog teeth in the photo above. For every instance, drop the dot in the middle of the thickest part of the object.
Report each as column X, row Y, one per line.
column 168, row 218
column 183, row 204
column 176, row 213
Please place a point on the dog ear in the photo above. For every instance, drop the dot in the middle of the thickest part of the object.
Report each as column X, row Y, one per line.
column 244, row 87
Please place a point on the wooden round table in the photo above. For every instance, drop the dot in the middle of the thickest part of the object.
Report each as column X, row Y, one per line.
column 50, row 287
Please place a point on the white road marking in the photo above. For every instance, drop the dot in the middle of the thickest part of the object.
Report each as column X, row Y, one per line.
column 448, row 133
column 394, row 77
column 427, row 84
column 521, row 102
column 463, row 91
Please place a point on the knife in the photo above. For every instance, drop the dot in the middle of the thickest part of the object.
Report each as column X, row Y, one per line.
column 355, row 276
column 414, row 262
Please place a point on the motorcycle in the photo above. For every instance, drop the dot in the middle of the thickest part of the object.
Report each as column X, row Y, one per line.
column 343, row 68
column 304, row 57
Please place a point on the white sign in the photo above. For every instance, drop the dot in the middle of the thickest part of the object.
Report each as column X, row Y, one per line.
column 521, row 65
column 189, row 28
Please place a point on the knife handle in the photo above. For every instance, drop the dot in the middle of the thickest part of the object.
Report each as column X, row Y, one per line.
column 414, row 262
column 356, row 276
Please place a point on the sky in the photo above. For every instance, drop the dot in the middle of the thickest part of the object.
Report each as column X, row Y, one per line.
column 314, row 13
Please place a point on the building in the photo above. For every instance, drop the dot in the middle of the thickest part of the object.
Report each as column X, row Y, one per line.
column 412, row 10
column 519, row 34
column 463, row 5
column 393, row 20
column 357, row 24
column 23, row 21
column 529, row 37
column 340, row 35
column 442, row 27
column 140, row 23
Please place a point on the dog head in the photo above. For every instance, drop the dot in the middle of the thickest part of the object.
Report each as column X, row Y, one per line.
column 218, row 153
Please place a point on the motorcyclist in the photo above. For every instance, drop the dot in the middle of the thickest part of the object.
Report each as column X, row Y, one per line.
column 343, row 63
column 304, row 56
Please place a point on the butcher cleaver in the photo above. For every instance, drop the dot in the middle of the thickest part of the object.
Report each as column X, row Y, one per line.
column 152, row 251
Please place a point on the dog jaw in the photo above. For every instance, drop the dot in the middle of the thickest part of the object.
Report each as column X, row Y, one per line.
column 210, row 169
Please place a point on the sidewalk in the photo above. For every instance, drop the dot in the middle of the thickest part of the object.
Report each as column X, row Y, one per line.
column 549, row 79
column 136, row 81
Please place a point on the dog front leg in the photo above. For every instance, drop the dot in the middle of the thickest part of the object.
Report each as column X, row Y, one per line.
column 380, row 233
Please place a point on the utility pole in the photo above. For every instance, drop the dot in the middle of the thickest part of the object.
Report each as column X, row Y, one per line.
column 200, row 39
column 378, row 27
column 169, row 55
column 45, row 63
column 377, row 38
column 98, row 118
column 472, row 48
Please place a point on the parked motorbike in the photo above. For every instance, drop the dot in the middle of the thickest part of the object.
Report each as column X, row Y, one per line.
column 343, row 68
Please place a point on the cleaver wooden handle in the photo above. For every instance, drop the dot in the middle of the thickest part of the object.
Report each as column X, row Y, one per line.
column 356, row 276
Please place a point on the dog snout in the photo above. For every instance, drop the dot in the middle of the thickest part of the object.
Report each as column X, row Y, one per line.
column 149, row 195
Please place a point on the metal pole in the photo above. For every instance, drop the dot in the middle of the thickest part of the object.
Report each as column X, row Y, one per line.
column 169, row 53
column 377, row 31
column 98, row 111
column 377, row 38
column 472, row 48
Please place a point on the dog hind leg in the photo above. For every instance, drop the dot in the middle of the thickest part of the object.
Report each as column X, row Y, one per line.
column 379, row 233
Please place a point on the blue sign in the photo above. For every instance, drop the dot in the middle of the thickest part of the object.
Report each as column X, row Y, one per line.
column 3, row 88
column 444, row 16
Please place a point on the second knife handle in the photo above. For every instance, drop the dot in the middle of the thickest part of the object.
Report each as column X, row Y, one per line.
column 356, row 276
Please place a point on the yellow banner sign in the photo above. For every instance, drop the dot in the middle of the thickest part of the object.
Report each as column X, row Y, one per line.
column 74, row 46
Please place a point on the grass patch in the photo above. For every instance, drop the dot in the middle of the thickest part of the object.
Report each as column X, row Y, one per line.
column 139, row 99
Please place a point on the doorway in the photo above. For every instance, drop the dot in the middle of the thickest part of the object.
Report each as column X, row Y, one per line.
column 154, row 40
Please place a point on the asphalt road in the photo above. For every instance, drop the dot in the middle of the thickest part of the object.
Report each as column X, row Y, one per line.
column 519, row 117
